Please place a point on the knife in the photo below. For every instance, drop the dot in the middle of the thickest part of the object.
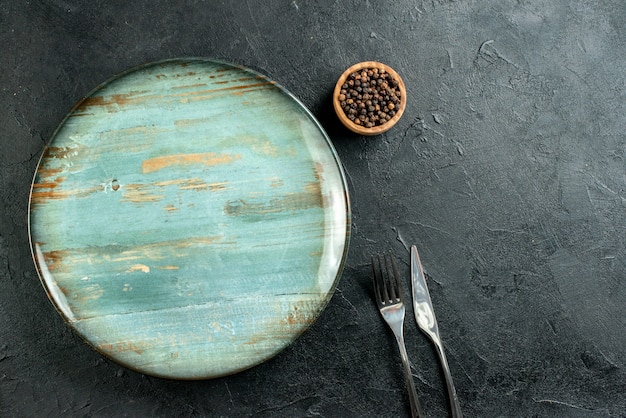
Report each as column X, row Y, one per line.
column 426, row 321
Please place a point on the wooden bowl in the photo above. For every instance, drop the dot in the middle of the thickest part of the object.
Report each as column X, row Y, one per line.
column 360, row 129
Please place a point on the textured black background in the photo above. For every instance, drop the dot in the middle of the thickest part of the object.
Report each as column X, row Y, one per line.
column 507, row 170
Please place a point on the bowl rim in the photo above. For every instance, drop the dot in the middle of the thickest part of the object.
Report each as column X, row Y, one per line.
column 362, row 129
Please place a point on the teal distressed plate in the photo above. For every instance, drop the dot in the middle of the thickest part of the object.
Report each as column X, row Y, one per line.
column 189, row 219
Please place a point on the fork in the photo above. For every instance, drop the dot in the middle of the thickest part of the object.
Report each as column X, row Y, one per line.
column 390, row 300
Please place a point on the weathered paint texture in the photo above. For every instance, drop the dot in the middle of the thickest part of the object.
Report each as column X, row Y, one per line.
column 189, row 219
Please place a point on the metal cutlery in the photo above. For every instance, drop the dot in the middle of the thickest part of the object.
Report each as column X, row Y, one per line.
column 390, row 300
column 425, row 317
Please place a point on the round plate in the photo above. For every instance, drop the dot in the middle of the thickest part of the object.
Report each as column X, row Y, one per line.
column 189, row 219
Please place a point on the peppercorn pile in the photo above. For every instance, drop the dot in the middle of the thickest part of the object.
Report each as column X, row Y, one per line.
column 370, row 97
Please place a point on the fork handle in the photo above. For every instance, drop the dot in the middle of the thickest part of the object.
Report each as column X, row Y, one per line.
column 455, row 407
column 416, row 408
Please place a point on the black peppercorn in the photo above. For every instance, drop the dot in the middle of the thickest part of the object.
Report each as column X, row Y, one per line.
column 370, row 97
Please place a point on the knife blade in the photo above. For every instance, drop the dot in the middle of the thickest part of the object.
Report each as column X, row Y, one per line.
column 422, row 304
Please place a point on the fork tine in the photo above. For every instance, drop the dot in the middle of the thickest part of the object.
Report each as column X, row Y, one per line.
column 391, row 292
column 384, row 276
column 386, row 279
column 382, row 281
column 376, row 281
column 389, row 279
column 397, row 286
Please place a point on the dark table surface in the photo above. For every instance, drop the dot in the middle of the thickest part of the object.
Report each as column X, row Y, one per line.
column 507, row 170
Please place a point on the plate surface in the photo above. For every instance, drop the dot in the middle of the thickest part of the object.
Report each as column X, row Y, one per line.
column 189, row 219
